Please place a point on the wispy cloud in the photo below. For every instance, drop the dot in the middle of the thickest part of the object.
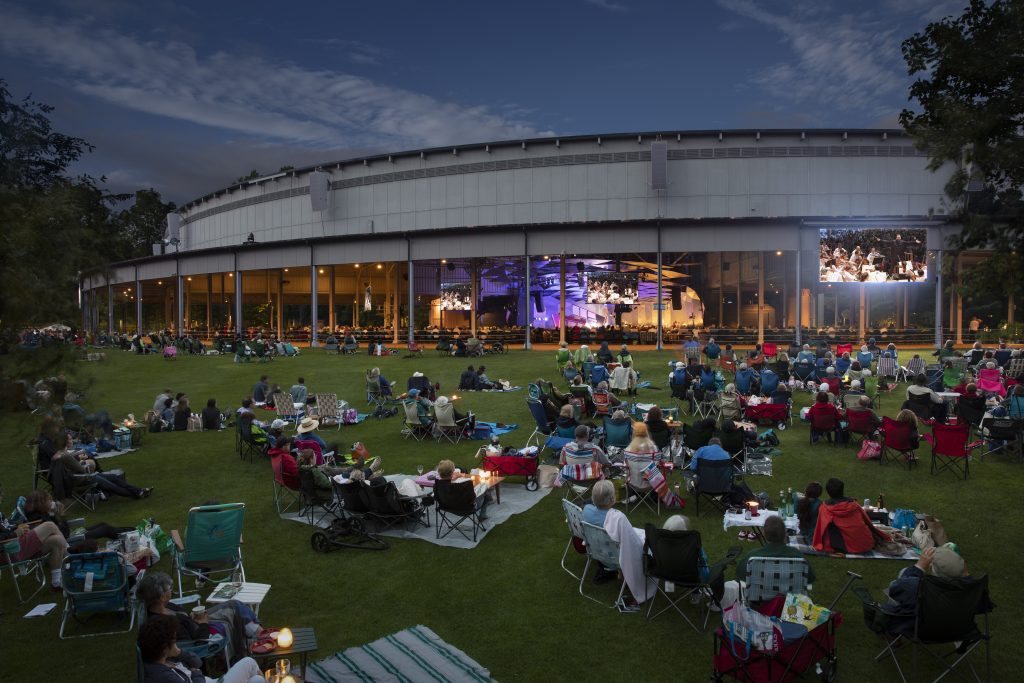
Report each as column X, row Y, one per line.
column 246, row 94
column 356, row 51
column 609, row 5
column 849, row 60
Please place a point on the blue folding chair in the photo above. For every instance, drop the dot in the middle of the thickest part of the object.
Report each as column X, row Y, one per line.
column 544, row 428
column 95, row 583
column 212, row 546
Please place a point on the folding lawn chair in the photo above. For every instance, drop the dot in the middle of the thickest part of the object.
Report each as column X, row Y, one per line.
column 245, row 445
column 328, row 409
column 579, row 475
column 705, row 403
column 285, row 407
column 544, row 428
column 455, row 503
column 285, row 496
column 1000, row 432
column 843, row 348
column 1014, row 367
column 713, row 483
column 944, row 614
column 735, row 444
column 40, row 470
column 913, row 368
column 638, row 490
column 770, row 350
column 389, row 508
column 574, row 520
column 823, row 425
column 674, row 557
column 315, row 503
column 859, row 422
column 35, row 568
column 212, row 544
column 617, row 436
column 604, row 551
column 374, row 392
column 413, row 426
column 95, row 583
column 896, row 443
column 951, row 448
column 446, row 426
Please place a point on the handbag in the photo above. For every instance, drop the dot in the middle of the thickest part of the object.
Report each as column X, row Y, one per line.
column 869, row 450
column 751, row 628
column 195, row 423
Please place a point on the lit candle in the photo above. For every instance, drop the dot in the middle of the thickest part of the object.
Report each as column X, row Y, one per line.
column 753, row 505
column 285, row 638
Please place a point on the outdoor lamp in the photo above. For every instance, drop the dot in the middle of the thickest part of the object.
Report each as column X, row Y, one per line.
column 285, row 638
column 753, row 505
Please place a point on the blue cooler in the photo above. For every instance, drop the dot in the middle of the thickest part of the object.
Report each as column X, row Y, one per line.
column 122, row 438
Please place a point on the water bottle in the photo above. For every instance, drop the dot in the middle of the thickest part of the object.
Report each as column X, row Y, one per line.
column 783, row 510
column 790, row 511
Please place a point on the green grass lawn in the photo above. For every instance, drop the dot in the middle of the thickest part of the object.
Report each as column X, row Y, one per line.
column 507, row 603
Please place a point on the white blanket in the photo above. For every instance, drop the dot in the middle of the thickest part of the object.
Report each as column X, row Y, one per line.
column 631, row 554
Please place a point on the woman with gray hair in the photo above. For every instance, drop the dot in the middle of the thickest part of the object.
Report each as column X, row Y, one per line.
column 155, row 590
column 630, row 540
column 729, row 401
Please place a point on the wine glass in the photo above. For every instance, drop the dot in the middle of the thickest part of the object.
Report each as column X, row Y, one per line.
column 419, row 470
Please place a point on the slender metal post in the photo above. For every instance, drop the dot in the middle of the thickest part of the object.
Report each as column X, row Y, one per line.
column 529, row 299
column 412, row 296
column 313, row 305
column 110, row 309
column 760, row 297
column 239, row 291
column 660, row 299
column 561, row 300
column 180, row 320
column 799, row 298
column 138, row 304
column 938, row 299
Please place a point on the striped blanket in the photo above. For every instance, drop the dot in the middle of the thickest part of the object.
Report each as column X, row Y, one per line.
column 415, row 654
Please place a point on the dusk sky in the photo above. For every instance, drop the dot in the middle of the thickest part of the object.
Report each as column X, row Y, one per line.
column 185, row 97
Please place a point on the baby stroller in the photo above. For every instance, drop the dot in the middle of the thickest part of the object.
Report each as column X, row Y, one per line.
column 779, row 413
column 347, row 526
column 814, row 647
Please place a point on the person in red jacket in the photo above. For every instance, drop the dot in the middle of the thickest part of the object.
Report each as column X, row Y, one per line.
column 843, row 526
column 824, row 417
column 286, row 469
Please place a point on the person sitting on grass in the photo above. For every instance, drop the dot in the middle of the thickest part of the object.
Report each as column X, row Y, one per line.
column 468, row 379
column 843, row 526
column 299, row 392
column 483, row 382
column 211, row 416
column 775, row 546
column 43, row 539
column 807, row 511
column 260, row 390
column 182, row 413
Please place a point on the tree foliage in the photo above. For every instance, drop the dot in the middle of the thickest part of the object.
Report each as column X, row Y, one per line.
column 970, row 88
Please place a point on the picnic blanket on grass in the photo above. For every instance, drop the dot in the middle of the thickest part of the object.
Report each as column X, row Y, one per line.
column 514, row 499
column 910, row 554
column 495, row 429
column 112, row 454
column 415, row 654
column 643, row 385
column 493, row 391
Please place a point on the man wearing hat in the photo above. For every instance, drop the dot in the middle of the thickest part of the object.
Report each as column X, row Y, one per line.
column 307, row 430
column 678, row 374
column 422, row 405
column 440, row 405
column 943, row 561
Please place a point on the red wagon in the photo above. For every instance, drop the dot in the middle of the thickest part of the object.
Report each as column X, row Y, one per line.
column 778, row 413
column 514, row 466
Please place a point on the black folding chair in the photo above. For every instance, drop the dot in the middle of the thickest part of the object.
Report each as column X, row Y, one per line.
column 454, row 503
column 675, row 557
column 389, row 508
column 713, row 483
column 1002, row 433
column 945, row 614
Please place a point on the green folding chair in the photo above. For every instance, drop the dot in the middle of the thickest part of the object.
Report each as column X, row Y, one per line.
column 213, row 544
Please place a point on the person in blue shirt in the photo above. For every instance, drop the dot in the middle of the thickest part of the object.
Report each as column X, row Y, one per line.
column 713, row 451
column 712, row 350
column 806, row 355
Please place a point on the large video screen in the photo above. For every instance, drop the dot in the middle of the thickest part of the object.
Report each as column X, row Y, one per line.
column 456, row 297
column 873, row 255
column 611, row 288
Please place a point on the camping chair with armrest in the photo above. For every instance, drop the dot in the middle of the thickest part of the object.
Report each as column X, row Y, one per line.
column 617, row 436
column 713, row 483
column 638, row 490
column 842, row 365
column 602, row 404
column 662, row 438
column 581, row 396
column 455, row 503
column 951, row 448
column 805, row 371
column 389, row 508
column 328, row 409
column 579, row 475
column 285, row 497
column 823, row 425
column 896, row 443
column 1002, row 357
column 859, row 422
column 735, row 444
column 414, row 427
column 67, row 485
column 991, row 381
column 945, row 614
column 35, row 568
column 544, row 428
column 921, row 406
column 598, row 374
column 1003, row 432
column 696, row 436
column 331, row 346
column 245, row 444
column 562, row 356
column 447, row 427
column 674, row 557
column 375, row 395
column 40, row 470
column 770, row 350
column 865, row 358
column 771, row 576
column 212, row 545
column 444, row 347
column 603, row 550
column 95, row 583
column 971, row 411
column 843, row 348
column 316, row 505
column 574, row 520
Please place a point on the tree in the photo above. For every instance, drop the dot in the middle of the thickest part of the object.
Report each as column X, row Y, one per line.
column 142, row 225
column 970, row 89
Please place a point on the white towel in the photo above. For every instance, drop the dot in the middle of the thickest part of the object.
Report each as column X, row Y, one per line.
column 631, row 554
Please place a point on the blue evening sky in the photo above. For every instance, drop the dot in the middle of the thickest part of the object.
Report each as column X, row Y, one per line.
column 186, row 96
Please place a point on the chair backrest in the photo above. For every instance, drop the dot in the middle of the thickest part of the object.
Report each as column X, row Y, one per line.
column 578, row 456
column 661, row 437
column 734, row 441
column 990, row 375
column 771, row 576
column 573, row 517
column 1003, row 428
column 444, row 415
column 696, row 436
column 95, row 582
column 769, row 349
column 950, row 440
column 915, row 366
column 539, row 416
column 600, row 547
column 714, row 476
column 858, row 421
column 214, row 532
column 533, row 391
column 601, row 402
column 897, row 434
column 283, row 405
column 769, row 382
column 617, row 434
column 385, row 499
column 372, row 385
column 327, row 406
column 352, row 499
column 971, row 410
column 946, row 607
column 412, row 415
column 458, row 497
column 865, row 358
column 843, row 348
column 673, row 555
column 1002, row 357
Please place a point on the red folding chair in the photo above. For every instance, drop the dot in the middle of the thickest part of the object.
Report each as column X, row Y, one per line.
column 826, row 425
column 770, row 350
column 896, row 443
column 834, row 385
column 859, row 422
column 951, row 448
column 843, row 348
